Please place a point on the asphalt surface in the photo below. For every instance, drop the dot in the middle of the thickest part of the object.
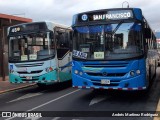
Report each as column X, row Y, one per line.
column 76, row 104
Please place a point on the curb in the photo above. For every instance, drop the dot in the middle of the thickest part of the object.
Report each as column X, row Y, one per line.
column 17, row 88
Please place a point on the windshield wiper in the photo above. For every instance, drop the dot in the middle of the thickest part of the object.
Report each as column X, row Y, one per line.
column 119, row 24
column 116, row 28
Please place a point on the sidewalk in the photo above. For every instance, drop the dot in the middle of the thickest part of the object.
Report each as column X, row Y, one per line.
column 6, row 86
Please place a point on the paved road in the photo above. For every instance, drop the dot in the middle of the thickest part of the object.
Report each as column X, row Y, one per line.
column 65, row 98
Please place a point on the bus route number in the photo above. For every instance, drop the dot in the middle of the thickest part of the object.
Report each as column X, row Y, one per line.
column 79, row 54
column 98, row 55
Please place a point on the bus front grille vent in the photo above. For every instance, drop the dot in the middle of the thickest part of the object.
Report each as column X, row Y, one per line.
column 33, row 79
column 32, row 72
column 110, row 65
column 102, row 66
column 106, row 75
column 30, row 65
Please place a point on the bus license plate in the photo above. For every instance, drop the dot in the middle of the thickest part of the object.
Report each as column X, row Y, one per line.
column 105, row 82
column 28, row 77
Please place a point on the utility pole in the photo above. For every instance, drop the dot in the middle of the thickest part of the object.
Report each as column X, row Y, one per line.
column 2, row 50
column 2, row 55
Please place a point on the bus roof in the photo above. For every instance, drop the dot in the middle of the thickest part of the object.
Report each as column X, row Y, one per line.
column 49, row 22
column 60, row 25
column 34, row 26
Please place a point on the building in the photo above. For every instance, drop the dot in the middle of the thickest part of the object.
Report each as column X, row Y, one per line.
column 158, row 39
column 5, row 22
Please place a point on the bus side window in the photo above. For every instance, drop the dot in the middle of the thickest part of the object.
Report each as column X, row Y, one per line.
column 62, row 40
column 51, row 36
column 70, row 40
column 22, row 46
column 57, row 40
column 66, row 41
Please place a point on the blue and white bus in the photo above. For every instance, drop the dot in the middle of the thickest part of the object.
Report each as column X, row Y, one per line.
column 39, row 52
column 113, row 49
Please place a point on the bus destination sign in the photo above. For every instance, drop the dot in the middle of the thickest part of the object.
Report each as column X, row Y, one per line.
column 106, row 15
column 28, row 27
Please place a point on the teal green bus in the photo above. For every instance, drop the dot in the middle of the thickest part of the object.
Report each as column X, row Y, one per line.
column 39, row 52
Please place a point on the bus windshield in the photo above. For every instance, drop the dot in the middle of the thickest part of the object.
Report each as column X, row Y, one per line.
column 31, row 47
column 110, row 41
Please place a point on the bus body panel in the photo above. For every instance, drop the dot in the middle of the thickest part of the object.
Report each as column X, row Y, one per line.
column 138, row 13
column 118, row 72
column 137, row 83
column 64, row 65
column 36, row 70
column 48, row 77
column 39, row 74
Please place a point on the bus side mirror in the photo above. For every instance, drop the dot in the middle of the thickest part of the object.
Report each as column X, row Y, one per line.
column 147, row 33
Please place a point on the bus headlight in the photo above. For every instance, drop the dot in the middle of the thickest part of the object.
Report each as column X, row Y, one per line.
column 138, row 72
column 81, row 73
column 11, row 71
column 49, row 69
column 76, row 71
column 132, row 73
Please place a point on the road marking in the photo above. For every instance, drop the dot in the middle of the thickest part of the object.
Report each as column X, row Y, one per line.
column 32, row 118
column 47, row 103
column 97, row 99
column 56, row 118
column 53, row 100
column 29, row 95
column 76, row 119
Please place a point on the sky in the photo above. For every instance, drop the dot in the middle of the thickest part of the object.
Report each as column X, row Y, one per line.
column 61, row 11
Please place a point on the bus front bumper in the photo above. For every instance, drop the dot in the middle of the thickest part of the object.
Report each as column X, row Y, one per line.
column 134, row 83
column 45, row 78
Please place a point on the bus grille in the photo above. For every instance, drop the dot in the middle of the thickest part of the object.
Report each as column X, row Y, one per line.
column 102, row 65
column 33, row 79
column 30, row 64
column 107, row 75
column 32, row 72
